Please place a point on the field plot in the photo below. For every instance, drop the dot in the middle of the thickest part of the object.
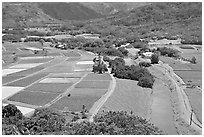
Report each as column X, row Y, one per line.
column 11, row 71
column 93, row 84
column 27, row 81
column 25, row 61
column 72, row 54
column 66, row 75
column 175, row 64
column 33, row 98
column 83, row 67
column 75, row 102
column 93, row 76
column 73, row 59
column 8, row 91
column 27, row 71
column 59, row 80
column 195, row 98
column 59, row 69
column 10, row 78
column 127, row 96
column 192, row 77
column 50, row 87
column 88, row 91
column 30, row 65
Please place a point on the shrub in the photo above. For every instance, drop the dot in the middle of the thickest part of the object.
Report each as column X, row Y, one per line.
column 154, row 59
column 11, row 111
column 193, row 60
column 144, row 64
column 146, row 82
column 123, row 51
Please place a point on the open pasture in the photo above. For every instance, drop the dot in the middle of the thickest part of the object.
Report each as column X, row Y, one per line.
column 33, row 98
column 49, row 87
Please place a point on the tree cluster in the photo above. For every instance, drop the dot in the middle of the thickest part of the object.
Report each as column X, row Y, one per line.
column 46, row 121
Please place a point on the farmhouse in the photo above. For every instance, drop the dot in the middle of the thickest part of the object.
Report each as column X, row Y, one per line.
column 148, row 54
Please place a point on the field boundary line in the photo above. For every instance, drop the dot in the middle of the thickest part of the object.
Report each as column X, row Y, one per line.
column 98, row 104
column 34, row 72
column 65, row 93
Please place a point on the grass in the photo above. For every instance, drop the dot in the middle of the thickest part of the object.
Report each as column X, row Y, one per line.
column 75, row 102
column 33, row 98
column 93, row 84
column 93, row 76
column 195, row 98
column 127, row 96
column 27, row 81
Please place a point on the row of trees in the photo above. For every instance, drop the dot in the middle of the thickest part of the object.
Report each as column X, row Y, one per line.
column 46, row 121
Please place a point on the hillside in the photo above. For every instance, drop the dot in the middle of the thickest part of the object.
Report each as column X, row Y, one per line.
column 108, row 8
column 170, row 20
column 23, row 14
column 68, row 11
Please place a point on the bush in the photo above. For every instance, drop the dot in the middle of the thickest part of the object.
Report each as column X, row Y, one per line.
column 146, row 82
column 193, row 60
column 123, row 51
column 154, row 59
column 11, row 111
column 144, row 64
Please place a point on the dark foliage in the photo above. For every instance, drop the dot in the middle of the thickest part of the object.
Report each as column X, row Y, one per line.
column 154, row 59
column 146, row 82
column 130, row 72
column 168, row 51
column 144, row 64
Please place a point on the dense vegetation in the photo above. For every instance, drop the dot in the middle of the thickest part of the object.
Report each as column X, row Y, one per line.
column 138, row 73
column 46, row 121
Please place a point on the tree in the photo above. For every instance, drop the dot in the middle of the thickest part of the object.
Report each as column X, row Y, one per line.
column 154, row 59
column 42, row 41
column 193, row 60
